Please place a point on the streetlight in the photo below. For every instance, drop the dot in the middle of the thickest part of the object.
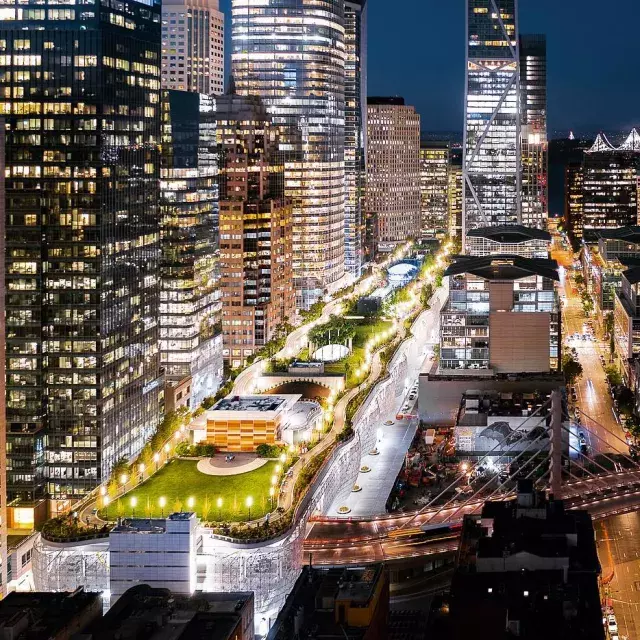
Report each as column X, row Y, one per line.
column 249, row 503
column 103, row 490
column 167, row 447
column 141, row 468
column 123, row 479
column 156, row 459
column 190, row 502
column 134, row 502
column 283, row 457
column 163, row 502
column 219, row 503
column 105, row 501
column 272, row 492
column 278, row 468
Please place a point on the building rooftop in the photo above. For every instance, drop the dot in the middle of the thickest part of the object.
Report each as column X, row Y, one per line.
column 150, row 525
column 388, row 100
column 250, row 403
column 148, row 613
column 628, row 234
column 503, row 267
column 510, row 233
column 40, row 616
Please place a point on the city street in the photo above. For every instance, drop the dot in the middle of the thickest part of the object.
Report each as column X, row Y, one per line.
column 619, row 555
column 591, row 389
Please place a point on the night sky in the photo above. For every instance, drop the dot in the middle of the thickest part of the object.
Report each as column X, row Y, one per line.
column 416, row 49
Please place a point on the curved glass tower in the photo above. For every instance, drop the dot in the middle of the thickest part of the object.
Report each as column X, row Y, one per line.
column 491, row 165
column 292, row 55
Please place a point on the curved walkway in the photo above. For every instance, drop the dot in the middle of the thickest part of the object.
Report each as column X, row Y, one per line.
column 242, row 463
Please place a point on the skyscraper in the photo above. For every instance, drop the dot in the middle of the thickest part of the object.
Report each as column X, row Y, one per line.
column 393, row 169
column 455, row 195
column 292, row 55
column 193, row 46
column 434, row 187
column 610, row 183
column 83, row 243
column 355, row 129
column 256, row 249
column 491, row 164
column 534, row 145
column 190, row 306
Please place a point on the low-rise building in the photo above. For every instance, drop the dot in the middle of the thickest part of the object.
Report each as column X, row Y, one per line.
column 603, row 264
column 502, row 316
column 151, row 613
column 526, row 568
column 510, row 239
column 626, row 314
column 352, row 604
column 160, row 552
column 48, row 616
column 241, row 423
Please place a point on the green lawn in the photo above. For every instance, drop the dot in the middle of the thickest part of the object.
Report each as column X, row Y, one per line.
column 181, row 480
column 365, row 329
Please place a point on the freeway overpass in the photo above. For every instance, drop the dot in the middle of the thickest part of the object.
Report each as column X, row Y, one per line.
column 352, row 541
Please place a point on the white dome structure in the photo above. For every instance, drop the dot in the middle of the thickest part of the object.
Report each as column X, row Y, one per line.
column 331, row 353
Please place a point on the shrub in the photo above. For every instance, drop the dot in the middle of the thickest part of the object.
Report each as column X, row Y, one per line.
column 269, row 450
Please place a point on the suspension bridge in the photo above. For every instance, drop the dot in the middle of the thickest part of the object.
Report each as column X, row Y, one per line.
column 603, row 478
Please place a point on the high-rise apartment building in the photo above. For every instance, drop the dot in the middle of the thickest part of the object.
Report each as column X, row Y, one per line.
column 534, row 144
column 393, row 169
column 434, row 188
column 256, row 251
column 455, row 195
column 292, row 55
column 610, row 183
column 355, row 129
column 193, row 46
column 492, row 115
column 494, row 301
column 3, row 420
column 190, row 306
column 83, row 244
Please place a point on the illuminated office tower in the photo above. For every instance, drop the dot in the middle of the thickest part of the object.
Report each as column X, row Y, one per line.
column 3, row 420
column 193, row 46
column 610, row 183
column 82, row 245
column 292, row 55
column 256, row 251
column 573, row 201
column 190, row 307
column 434, row 188
column 393, row 169
column 455, row 195
column 491, row 164
column 534, row 144
column 355, row 117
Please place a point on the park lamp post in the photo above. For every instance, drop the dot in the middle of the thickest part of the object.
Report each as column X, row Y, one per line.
column 190, row 502
column 249, row 503
column 272, row 492
column 123, row 479
column 219, row 503
column 163, row 502
column 134, row 502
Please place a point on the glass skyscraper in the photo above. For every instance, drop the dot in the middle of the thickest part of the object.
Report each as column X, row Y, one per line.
column 491, row 164
column 534, row 145
column 355, row 24
column 80, row 86
column 292, row 55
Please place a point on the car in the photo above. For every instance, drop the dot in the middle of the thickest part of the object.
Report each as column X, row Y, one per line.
column 612, row 624
column 389, row 422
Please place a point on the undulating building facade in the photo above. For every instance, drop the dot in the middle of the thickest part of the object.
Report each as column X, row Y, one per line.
column 513, row 239
column 292, row 55
column 434, row 188
column 256, row 250
column 193, row 46
column 491, row 163
column 533, row 134
column 393, row 169
column 83, row 245
column 355, row 131
column 610, row 184
column 190, row 305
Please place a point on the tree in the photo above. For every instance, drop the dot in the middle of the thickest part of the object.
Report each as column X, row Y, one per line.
column 613, row 375
column 579, row 279
column 571, row 367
